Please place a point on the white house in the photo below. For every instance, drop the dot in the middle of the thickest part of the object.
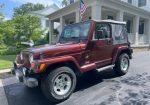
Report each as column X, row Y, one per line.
column 43, row 13
column 144, row 4
column 138, row 19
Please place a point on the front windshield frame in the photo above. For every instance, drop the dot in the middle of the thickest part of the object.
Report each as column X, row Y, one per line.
column 82, row 35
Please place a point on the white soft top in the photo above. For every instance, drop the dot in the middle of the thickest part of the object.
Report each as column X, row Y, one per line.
column 111, row 21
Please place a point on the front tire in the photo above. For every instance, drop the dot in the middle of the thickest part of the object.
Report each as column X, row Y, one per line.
column 59, row 84
column 122, row 64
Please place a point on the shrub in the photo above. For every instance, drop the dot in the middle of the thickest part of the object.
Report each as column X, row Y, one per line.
column 9, row 51
column 2, row 46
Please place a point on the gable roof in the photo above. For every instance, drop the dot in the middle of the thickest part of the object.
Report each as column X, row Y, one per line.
column 46, row 11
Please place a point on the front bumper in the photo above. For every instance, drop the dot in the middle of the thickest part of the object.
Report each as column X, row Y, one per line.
column 23, row 76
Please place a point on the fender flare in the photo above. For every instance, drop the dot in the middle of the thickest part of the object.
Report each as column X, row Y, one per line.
column 118, row 51
column 61, row 59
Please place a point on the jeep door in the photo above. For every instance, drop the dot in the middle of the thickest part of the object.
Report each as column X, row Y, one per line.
column 101, row 52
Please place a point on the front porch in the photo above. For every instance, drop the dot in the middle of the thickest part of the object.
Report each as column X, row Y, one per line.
column 138, row 20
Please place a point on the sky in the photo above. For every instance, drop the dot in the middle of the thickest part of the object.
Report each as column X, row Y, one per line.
column 11, row 4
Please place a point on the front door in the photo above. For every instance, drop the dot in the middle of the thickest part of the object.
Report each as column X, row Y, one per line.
column 101, row 52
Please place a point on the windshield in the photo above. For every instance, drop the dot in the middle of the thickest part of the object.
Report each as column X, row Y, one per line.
column 75, row 32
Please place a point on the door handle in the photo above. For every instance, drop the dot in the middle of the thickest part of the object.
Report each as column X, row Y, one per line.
column 109, row 41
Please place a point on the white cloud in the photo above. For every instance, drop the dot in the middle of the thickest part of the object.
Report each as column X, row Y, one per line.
column 44, row 2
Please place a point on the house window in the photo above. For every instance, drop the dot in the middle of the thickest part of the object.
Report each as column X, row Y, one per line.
column 110, row 17
column 47, row 23
column 141, row 3
column 141, row 27
column 71, row 1
column 129, row 26
column 130, row 1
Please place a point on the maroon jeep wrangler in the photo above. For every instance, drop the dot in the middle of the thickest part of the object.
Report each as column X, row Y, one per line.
column 85, row 46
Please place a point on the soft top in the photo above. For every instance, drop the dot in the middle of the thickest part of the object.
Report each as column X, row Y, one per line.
column 111, row 21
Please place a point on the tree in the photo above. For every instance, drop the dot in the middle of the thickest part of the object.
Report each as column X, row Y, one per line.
column 27, row 8
column 22, row 27
column 19, row 29
column 27, row 27
column 7, row 32
column 1, row 13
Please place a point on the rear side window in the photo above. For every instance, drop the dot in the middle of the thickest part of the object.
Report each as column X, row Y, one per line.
column 119, row 34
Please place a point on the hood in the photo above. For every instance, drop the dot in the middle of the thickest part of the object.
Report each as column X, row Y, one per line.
column 56, row 50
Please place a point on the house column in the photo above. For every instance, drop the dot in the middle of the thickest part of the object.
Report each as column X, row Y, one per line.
column 119, row 16
column 77, row 16
column 148, row 30
column 96, row 10
column 51, row 29
column 62, row 23
column 136, row 22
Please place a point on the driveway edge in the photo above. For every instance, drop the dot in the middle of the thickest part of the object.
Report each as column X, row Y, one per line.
column 3, row 98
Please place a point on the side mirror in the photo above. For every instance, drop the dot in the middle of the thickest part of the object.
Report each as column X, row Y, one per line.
column 99, row 34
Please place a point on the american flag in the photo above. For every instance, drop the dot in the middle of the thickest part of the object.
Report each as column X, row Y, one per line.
column 83, row 7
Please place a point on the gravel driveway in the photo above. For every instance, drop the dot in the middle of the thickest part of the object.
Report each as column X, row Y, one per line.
column 103, row 88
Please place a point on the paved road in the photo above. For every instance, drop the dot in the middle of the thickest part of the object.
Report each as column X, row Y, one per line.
column 103, row 88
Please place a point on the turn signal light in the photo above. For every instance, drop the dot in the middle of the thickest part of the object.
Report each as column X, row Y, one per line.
column 42, row 67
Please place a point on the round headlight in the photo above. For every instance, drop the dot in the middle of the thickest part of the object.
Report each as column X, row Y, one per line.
column 31, row 58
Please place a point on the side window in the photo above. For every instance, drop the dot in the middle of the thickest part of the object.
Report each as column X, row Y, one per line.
column 119, row 33
column 104, row 29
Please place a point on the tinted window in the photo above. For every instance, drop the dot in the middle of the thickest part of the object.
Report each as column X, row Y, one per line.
column 105, row 28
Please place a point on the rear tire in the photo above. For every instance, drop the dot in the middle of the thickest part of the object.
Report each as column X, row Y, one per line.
column 122, row 64
column 59, row 84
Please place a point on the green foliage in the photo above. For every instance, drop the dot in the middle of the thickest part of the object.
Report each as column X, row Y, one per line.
column 7, row 32
column 10, row 51
column 27, row 8
column 2, row 46
column 1, row 12
column 1, row 39
column 27, row 26
column 43, row 41
column 22, row 27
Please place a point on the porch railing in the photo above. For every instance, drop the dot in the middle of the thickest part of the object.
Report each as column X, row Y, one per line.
column 131, row 37
column 54, row 39
column 143, row 39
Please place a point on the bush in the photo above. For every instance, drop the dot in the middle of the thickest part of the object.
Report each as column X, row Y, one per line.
column 9, row 51
column 2, row 46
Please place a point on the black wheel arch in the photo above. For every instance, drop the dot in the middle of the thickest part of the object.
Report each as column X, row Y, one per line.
column 121, row 51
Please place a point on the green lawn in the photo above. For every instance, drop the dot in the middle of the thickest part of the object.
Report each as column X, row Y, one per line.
column 6, row 61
